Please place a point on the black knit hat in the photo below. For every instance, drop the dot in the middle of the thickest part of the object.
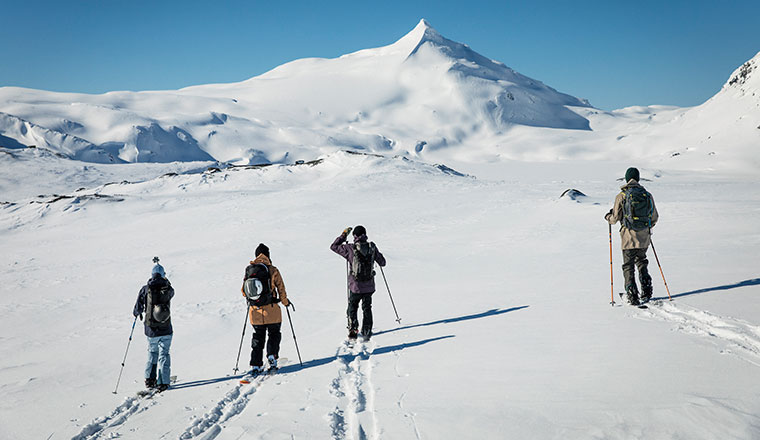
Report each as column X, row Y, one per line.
column 631, row 173
column 262, row 249
column 359, row 230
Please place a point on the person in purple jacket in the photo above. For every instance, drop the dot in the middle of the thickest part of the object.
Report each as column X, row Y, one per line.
column 361, row 256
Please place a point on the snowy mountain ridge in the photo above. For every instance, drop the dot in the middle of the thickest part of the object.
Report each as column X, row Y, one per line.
column 423, row 96
column 421, row 92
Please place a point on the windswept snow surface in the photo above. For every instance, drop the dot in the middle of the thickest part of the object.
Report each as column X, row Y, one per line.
column 502, row 287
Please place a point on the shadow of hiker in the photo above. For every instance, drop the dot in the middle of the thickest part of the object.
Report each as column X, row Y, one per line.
column 198, row 383
column 492, row 312
column 752, row 282
column 378, row 350
column 294, row 368
column 399, row 347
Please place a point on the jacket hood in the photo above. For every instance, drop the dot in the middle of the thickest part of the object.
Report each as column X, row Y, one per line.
column 157, row 280
column 631, row 183
column 261, row 258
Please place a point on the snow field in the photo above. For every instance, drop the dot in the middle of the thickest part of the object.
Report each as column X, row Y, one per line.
column 502, row 287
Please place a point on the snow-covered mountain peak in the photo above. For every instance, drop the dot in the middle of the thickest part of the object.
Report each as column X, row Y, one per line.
column 421, row 34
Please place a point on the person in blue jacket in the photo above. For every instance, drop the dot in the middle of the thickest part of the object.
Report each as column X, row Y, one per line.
column 154, row 301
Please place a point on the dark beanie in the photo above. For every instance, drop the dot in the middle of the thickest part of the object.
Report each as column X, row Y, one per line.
column 262, row 249
column 359, row 230
column 631, row 173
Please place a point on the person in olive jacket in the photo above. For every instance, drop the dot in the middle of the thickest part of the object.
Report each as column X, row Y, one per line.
column 266, row 319
column 634, row 242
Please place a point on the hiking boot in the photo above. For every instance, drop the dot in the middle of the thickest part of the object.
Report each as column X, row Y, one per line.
column 272, row 362
column 632, row 295
column 150, row 383
column 633, row 300
column 352, row 334
column 366, row 334
column 162, row 387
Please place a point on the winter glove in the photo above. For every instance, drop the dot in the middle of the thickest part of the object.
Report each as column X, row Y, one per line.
column 290, row 304
column 347, row 230
column 608, row 215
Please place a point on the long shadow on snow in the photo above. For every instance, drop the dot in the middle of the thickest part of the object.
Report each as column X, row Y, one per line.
column 197, row 383
column 312, row 363
column 492, row 312
column 752, row 282
column 380, row 350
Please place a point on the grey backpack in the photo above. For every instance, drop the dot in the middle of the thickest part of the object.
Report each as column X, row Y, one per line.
column 363, row 263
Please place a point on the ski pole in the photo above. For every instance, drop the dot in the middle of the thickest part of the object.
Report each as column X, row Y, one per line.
column 612, row 287
column 389, row 294
column 245, row 324
column 125, row 355
column 670, row 298
column 294, row 332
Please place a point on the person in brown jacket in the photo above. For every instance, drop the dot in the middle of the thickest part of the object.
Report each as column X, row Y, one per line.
column 635, row 233
column 267, row 318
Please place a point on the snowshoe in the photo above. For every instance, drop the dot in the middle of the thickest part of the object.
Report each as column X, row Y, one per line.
column 645, row 299
column 255, row 371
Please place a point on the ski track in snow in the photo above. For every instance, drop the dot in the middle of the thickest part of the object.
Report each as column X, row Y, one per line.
column 233, row 403
column 729, row 333
column 117, row 417
column 354, row 416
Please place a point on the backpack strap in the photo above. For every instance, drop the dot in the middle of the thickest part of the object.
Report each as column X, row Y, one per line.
column 272, row 287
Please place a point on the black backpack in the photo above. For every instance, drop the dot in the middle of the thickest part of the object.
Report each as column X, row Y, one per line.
column 256, row 285
column 363, row 264
column 638, row 208
column 157, row 303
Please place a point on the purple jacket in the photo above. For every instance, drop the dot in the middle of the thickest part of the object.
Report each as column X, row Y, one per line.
column 346, row 250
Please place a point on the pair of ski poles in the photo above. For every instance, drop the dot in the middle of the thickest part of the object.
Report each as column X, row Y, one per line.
column 612, row 288
column 245, row 324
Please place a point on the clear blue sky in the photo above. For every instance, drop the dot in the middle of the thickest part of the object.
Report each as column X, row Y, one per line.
column 614, row 53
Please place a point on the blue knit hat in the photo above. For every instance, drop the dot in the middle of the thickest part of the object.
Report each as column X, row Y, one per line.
column 158, row 269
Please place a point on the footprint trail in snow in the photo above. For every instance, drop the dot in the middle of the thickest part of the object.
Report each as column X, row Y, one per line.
column 733, row 336
column 354, row 416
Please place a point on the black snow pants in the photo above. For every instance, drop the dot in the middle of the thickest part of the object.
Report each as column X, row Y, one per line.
column 637, row 258
column 353, row 308
column 272, row 345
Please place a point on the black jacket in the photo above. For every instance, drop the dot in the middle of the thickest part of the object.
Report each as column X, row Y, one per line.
column 159, row 329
